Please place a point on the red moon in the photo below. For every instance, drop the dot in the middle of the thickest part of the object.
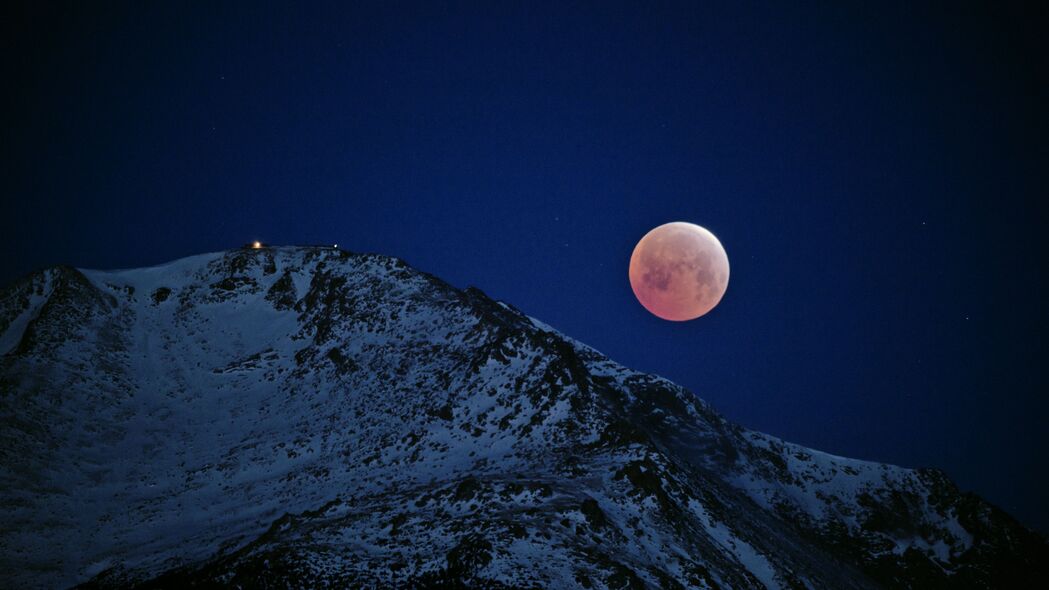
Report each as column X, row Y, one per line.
column 679, row 271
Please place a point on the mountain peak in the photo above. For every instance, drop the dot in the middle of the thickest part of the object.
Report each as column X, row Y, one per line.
column 309, row 415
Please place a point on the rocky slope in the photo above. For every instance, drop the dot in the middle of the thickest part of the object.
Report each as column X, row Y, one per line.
column 295, row 417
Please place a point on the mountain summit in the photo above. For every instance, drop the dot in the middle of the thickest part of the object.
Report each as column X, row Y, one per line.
column 309, row 417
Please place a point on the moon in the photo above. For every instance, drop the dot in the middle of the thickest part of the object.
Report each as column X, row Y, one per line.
column 679, row 271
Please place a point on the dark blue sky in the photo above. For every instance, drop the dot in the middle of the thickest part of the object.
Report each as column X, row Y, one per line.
column 874, row 174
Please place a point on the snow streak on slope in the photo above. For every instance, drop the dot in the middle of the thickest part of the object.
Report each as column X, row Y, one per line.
column 307, row 416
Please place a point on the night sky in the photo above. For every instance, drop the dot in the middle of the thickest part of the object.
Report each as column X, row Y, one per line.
column 875, row 175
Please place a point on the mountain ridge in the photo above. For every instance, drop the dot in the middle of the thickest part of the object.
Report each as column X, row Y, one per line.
column 307, row 415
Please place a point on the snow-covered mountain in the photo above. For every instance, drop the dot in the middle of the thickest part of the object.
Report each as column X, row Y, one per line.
column 295, row 417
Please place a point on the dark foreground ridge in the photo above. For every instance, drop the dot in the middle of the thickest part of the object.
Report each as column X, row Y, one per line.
column 309, row 417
